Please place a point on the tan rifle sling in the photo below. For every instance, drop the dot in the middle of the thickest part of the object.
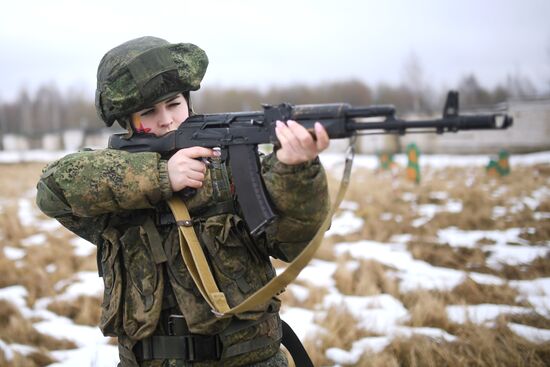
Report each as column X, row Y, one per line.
column 195, row 260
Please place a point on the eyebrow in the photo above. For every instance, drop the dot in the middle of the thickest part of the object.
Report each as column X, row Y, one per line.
column 166, row 101
column 171, row 99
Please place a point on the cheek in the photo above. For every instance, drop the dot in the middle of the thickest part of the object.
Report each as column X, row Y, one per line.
column 148, row 122
column 180, row 116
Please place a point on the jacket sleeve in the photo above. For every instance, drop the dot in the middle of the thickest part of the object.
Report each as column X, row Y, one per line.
column 82, row 188
column 300, row 196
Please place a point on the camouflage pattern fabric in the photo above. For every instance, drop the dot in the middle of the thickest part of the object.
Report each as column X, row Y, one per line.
column 113, row 199
column 143, row 71
column 278, row 360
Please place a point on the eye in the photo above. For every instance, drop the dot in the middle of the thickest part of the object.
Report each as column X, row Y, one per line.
column 147, row 112
column 174, row 104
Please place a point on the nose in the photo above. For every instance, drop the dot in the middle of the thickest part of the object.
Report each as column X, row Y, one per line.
column 165, row 118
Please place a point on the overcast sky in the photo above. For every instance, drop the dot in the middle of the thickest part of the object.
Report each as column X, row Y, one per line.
column 261, row 43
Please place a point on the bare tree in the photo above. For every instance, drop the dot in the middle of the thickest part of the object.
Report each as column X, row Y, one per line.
column 472, row 93
column 520, row 86
column 3, row 124
column 548, row 66
column 25, row 111
column 414, row 81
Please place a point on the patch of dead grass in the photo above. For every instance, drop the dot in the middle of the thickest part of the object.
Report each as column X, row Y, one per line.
column 366, row 279
column 460, row 258
column 14, row 328
column 427, row 309
column 468, row 292
column 538, row 268
column 530, row 319
column 315, row 296
column 474, row 259
column 38, row 358
column 31, row 271
column 473, row 293
column 340, row 331
column 326, row 250
column 83, row 310
column 12, row 230
column 540, row 231
column 476, row 346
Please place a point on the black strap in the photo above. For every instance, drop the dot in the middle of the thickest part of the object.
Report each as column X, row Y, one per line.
column 192, row 348
column 195, row 347
column 295, row 347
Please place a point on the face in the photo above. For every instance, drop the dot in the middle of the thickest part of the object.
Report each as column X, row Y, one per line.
column 163, row 117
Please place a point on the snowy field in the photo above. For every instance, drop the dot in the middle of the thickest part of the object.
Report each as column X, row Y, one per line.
column 383, row 314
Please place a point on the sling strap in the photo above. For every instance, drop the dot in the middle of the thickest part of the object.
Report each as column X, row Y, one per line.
column 195, row 260
column 295, row 347
column 197, row 264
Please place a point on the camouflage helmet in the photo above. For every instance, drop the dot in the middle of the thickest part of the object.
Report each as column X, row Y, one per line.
column 144, row 71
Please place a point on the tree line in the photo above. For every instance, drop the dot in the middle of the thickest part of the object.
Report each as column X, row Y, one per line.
column 50, row 110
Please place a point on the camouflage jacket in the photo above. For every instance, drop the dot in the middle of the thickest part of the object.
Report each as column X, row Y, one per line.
column 114, row 200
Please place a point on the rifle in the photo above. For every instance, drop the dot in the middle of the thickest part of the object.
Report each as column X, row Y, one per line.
column 239, row 133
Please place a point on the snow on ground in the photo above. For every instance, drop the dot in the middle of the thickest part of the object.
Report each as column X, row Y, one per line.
column 480, row 314
column 382, row 314
column 335, row 161
column 508, row 247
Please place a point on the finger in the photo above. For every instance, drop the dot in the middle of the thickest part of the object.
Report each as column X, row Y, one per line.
column 198, row 152
column 287, row 138
column 196, row 176
column 193, row 183
column 323, row 139
column 303, row 136
column 189, row 164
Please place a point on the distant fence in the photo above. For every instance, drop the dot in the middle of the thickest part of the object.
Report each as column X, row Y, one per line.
column 69, row 140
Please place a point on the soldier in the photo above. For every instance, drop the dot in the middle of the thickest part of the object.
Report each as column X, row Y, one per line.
column 117, row 201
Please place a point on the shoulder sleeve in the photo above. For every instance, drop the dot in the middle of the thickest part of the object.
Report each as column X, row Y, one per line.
column 300, row 196
column 91, row 183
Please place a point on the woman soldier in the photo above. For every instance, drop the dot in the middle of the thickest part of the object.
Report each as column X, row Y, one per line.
column 117, row 201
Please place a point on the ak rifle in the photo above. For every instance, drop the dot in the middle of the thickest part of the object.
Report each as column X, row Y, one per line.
column 238, row 134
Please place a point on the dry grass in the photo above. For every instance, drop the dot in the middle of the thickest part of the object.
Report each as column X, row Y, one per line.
column 314, row 298
column 83, row 310
column 427, row 309
column 386, row 203
column 15, row 328
column 32, row 272
column 531, row 319
column 39, row 358
column 340, row 331
column 473, row 293
column 19, row 177
column 461, row 258
column 367, row 278
column 473, row 259
column 477, row 346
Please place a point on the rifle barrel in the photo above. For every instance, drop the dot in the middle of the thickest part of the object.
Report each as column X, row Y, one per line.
column 446, row 124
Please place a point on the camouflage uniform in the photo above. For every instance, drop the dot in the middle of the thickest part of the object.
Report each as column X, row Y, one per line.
column 117, row 201
column 114, row 199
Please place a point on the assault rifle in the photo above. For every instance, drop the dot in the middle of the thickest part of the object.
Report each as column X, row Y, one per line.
column 239, row 133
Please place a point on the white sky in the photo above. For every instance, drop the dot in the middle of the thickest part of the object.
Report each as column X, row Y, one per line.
column 260, row 43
